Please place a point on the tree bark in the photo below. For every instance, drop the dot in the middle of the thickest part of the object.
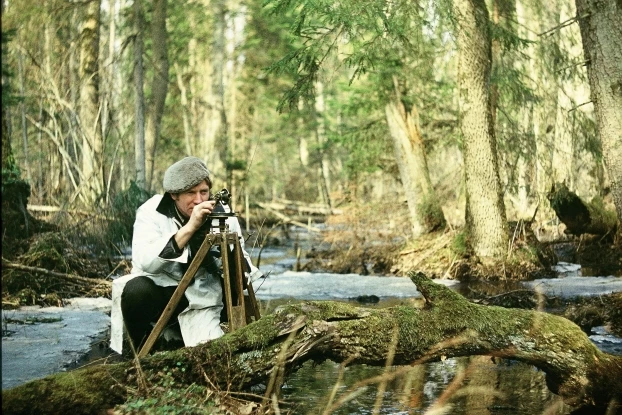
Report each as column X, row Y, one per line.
column 600, row 22
column 215, row 133
column 447, row 326
column 426, row 214
column 323, row 170
column 159, row 85
column 92, row 143
column 139, row 99
column 485, row 211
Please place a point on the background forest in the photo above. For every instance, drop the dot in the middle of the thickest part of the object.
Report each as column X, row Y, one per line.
column 377, row 107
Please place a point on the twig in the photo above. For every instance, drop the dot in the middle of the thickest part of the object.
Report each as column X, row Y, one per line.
column 382, row 386
column 279, row 366
column 560, row 26
column 578, row 106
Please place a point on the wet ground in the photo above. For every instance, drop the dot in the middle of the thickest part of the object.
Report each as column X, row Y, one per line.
column 38, row 341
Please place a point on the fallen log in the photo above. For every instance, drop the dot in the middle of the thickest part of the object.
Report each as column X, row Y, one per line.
column 448, row 325
column 287, row 219
column 579, row 216
column 68, row 277
column 302, row 208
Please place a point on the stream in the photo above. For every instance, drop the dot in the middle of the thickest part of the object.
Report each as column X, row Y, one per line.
column 489, row 387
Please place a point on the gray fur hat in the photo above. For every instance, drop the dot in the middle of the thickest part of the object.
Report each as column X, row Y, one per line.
column 184, row 175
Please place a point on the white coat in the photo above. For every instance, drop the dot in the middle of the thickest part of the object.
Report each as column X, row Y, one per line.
column 200, row 321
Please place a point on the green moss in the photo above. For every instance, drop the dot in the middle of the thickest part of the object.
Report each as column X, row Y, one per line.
column 599, row 214
column 431, row 215
column 460, row 244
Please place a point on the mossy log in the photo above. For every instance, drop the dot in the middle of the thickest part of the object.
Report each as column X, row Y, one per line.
column 579, row 216
column 447, row 325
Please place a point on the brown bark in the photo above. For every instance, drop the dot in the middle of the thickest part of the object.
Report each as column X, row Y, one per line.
column 447, row 326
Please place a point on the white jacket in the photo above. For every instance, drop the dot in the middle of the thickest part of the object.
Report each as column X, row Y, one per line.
column 200, row 321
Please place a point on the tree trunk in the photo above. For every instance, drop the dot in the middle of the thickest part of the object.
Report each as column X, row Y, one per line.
column 92, row 143
column 426, row 214
column 600, row 22
column 485, row 212
column 159, row 86
column 139, row 99
column 323, row 170
column 447, row 326
column 563, row 142
column 215, row 130
column 542, row 84
column 185, row 117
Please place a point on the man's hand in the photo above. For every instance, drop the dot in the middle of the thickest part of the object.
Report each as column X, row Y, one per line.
column 199, row 215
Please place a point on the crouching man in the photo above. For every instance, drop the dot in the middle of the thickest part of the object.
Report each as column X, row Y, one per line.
column 167, row 234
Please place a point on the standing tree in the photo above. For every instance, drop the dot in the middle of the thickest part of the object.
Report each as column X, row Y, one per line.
column 92, row 142
column 485, row 211
column 139, row 103
column 159, row 84
column 215, row 132
column 600, row 22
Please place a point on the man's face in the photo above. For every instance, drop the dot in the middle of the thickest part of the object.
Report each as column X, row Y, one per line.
column 187, row 200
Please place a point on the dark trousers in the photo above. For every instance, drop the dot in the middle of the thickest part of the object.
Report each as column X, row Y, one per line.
column 142, row 303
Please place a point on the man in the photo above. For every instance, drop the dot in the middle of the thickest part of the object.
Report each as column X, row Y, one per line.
column 168, row 231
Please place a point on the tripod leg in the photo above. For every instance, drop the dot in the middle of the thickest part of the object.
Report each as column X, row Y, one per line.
column 253, row 300
column 179, row 292
column 249, row 287
column 224, row 249
column 239, row 271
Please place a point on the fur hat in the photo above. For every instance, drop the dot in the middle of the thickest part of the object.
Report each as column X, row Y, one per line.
column 184, row 175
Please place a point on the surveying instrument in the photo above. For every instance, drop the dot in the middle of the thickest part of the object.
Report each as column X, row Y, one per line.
column 239, row 314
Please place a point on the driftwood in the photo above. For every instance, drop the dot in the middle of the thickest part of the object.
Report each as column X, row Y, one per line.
column 447, row 326
column 579, row 216
column 56, row 209
column 286, row 219
column 302, row 208
column 68, row 277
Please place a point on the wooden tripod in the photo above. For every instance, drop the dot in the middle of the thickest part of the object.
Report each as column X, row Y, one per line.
column 233, row 283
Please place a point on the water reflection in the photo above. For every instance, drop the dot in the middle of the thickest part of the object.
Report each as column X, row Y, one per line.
column 467, row 385
column 484, row 387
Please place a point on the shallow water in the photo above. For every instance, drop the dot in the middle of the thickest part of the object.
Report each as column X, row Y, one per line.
column 489, row 387
column 504, row 387
column 500, row 387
